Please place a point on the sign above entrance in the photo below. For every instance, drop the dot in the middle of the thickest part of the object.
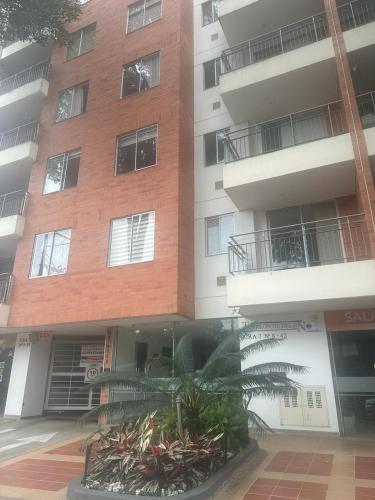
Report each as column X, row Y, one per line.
column 354, row 319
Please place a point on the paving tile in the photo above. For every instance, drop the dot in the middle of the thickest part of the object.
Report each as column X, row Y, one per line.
column 73, row 449
column 365, row 468
column 362, row 493
column 286, row 490
column 318, row 464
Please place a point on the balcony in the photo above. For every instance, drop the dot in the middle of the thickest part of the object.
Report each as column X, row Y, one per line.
column 5, row 288
column 315, row 266
column 12, row 221
column 19, row 55
column 356, row 13
column 295, row 159
column 280, row 72
column 22, row 94
column 18, row 147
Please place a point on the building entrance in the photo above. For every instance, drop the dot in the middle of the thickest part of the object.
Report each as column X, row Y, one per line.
column 353, row 361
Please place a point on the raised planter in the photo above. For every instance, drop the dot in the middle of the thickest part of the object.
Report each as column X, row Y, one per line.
column 78, row 492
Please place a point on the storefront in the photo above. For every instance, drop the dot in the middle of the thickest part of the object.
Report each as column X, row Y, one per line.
column 352, row 348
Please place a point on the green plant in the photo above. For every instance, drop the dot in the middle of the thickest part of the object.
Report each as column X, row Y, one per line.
column 221, row 375
column 132, row 458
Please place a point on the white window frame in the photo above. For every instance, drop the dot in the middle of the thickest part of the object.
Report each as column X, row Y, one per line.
column 33, row 253
column 137, row 131
column 131, row 240
column 81, row 31
column 217, row 75
column 66, row 156
column 206, row 232
column 139, row 88
column 213, row 2
column 83, row 84
column 144, row 16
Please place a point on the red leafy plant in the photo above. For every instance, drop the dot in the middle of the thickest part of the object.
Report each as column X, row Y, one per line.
column 136, row 458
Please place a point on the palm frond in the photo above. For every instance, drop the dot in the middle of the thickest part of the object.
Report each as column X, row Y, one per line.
column 124, row 380
column 257, row 424
column 273, row 367
column 259, row 346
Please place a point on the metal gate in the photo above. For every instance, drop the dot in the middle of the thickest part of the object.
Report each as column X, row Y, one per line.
column 72, row 359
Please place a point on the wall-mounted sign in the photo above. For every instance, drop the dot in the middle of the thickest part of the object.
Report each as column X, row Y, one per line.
column 23, row 340
column 91, row 353
column 354, row 319
column 280, row 329
column 92, row 372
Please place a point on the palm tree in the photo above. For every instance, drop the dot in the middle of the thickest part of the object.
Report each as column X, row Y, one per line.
column 221, row 375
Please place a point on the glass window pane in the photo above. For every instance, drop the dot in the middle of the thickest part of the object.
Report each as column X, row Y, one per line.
column 126, row 152
column 88, row 39
column 60, row 252
column 213, row 235
column 143, row 237
column 152, row 11
column 207, row 13
column 220, row 137
column 73, row 49
column 146, row 148
column 149, row 71
column 64, row 105
column 209, row 74
column 38, row 255
column 55, row 173
column 131, row 80
column 72, row 169
column 210, row 149
column 226, row 231
column 135, row 16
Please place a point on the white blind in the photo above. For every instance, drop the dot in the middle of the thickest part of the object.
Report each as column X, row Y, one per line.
column 132, row 239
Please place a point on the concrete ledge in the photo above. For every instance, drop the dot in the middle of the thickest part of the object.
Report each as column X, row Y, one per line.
column 78, row 492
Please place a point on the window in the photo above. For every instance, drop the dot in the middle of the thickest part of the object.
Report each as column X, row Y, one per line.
column 141, row 75
column 81, row 41
column 142, row 13
column 218, row 231
column 72, row 102
column 136, row 150
column 62, row 172
column 214, row 149
column 132, row 239
column 51, row 252
column 210, row 12
column 212, row 71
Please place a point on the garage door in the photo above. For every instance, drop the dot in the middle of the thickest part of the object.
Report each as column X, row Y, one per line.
column 74, row 361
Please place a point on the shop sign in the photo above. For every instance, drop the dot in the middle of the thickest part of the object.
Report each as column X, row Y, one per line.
column 279, row 329
column 354, row 319
column 91, row 354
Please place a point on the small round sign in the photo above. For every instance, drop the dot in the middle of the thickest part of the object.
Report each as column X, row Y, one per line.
column 91, row 373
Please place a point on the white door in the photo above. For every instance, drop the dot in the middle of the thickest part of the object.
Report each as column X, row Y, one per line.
column 291, row 410
column 308, row 408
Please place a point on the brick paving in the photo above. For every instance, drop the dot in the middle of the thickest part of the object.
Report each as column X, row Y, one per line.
column 365, row 468
column 362, row 493
column 277, row 489
column 72, row 449
column 317, row 464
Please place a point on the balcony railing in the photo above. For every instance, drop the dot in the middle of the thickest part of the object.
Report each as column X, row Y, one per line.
column 19, row 135
column 366, row 107
column 356, row 13
column 292, row 130
column 13, row 203
column 5, row 286
column 317, row 243
column 277, row 42
column 28, row 75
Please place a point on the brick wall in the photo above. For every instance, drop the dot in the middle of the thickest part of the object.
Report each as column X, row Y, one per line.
column 90, row 290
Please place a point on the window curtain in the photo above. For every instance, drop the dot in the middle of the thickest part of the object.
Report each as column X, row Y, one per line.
column 149, row 71
column 310, row 126
column 152, row 11
column 78, row 100
column 135, row 18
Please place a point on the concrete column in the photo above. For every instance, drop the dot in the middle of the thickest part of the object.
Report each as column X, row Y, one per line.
column 28, row 379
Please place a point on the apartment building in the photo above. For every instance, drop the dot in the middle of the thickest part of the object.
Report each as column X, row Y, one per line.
column 133, row 213
column 284, row 171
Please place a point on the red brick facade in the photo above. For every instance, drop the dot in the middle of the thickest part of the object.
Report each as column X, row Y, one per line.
column 90, row 290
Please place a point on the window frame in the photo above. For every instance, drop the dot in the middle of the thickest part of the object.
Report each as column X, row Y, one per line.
column 66, row 155
column 83, row 84
column 131, row 239
column 136, row 131
column 213, row 11
column 81, row 31
column 33, row 253
column 219, row 217
column 226, row 129
column 122, row 96
column 144, row 15
column 217, row 75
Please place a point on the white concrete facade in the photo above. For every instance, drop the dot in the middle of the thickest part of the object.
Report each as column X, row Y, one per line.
column 23, row 156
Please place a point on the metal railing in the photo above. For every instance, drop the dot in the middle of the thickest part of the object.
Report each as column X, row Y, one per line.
column 366, row 107
column 28, row 75
column 285, row 39
column 5, row 286
column 291, row 130
column 19, row 135
column 316, row 243
column 13, row 203
column 356, row 13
